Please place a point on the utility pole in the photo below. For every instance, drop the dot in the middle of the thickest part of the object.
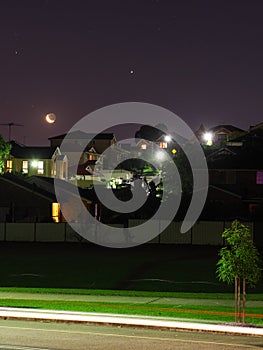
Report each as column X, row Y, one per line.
column 10, row 128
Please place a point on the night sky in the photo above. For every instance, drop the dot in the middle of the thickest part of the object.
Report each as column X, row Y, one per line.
column 203, row 60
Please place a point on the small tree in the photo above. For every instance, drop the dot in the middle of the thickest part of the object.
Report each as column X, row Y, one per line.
column 5, row 148
column 239, row 263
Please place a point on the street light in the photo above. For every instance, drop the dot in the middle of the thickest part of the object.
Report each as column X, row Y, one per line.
column 167, row 138
column 208, row 138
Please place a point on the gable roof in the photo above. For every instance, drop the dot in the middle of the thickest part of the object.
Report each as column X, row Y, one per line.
column 227, row 127
column 231, row 157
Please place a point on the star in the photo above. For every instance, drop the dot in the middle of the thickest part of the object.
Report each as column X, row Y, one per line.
column 131, row 71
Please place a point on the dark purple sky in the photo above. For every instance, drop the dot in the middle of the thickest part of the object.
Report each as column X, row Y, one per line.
column 201, row 59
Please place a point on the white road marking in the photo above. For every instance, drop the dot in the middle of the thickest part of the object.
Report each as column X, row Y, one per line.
column 15, row 347
column 50, row 315
column 129, row 336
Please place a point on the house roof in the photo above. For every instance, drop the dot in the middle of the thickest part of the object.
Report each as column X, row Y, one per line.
column 228, row 127
column 83, row 135
column 47, row 183
column 28, row 152
column 23, row 182
column 253, row 136
column 242, row 157
column 257, row 126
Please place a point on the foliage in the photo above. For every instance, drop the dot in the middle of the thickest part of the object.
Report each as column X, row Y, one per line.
column 239, row 261
column 240, row 258
column 5, row 148
column 150, row 133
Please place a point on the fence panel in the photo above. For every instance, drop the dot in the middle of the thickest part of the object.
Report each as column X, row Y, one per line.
column 2, row 231
column 173, row 235
column 72, row 236
column 208, row 232
column 50, row 232
column 20, row 232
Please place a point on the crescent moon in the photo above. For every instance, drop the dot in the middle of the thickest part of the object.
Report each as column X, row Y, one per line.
column 50, row 118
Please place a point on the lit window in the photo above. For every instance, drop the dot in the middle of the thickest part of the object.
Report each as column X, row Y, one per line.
column 259, row 179
column 56, row 212
column 25, row 167
column 163, row 144
column 9, row 165
column 40, row 167
column 143, row 146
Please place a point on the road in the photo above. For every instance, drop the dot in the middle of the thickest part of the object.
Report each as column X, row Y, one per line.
column 28, row 335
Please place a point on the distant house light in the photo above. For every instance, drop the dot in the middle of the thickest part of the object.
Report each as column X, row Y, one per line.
column 163, row 145
column 208, row 138
column 143, row 146
column 9, row 166
column 56, row 212
column 39, row 164
column 167, row 138
column 40, row 167
column 25, row 166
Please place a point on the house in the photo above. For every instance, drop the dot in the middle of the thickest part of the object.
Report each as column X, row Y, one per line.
column 41, row 161
column 33, row 199
column 90, row 146
column 224, row 132
column 217, row 134
column 238, row 168
column 22, row 201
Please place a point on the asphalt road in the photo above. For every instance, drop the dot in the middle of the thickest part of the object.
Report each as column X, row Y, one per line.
column 27, row 335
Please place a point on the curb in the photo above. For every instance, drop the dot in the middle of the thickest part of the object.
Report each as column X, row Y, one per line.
column 124, row 320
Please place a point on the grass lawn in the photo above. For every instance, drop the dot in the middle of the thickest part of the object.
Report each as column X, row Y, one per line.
column 187, row 306
column 55, row 272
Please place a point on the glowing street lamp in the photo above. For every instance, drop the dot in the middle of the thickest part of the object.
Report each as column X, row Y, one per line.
column 167, row 138
column 208, row 138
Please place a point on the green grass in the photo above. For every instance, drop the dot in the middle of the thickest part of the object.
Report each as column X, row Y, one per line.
column 155, row 271
column 131, row 293
column 193, row 312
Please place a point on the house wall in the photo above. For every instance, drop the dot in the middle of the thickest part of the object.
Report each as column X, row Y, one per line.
column 243, row 181
column 18, row 163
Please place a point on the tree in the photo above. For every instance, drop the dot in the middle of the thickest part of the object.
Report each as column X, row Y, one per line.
column 239, row 263
column 5, row 148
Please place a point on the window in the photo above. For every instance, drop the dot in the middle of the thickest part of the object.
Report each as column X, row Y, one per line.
column 163, row 144
column 143, row 146
column 25, row 167
column 56, row 212
column 40, row 167
column 9, row 165
column 221, row 137
column 259, row 179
